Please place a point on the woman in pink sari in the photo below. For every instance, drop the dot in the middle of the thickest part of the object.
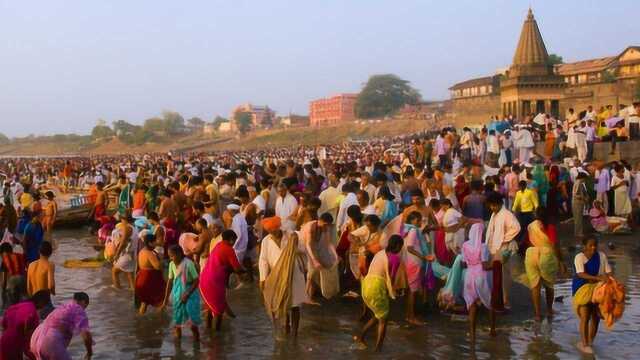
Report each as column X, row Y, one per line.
column 18, row 323
column 52, row 337
column 215, row 276
column 476, row 290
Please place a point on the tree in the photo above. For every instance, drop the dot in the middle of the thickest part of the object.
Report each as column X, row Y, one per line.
column 154, row 124
column 101, row 132
column 196, row 123
column 218, row 120
column 123, row 128
column 4, row 139
column 243, row 121
column 173, row 122
column 383, row 95
column 555, row 59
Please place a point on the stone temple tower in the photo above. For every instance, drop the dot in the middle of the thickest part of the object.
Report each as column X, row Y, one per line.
column 530, row 85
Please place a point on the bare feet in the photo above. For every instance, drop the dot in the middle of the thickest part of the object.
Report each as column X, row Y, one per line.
column 415, row 322
column 359, row 342
column 584, row 348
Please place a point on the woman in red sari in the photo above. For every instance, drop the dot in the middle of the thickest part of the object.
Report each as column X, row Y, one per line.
column 150, row 283
column 215, row 276
column 461, row 189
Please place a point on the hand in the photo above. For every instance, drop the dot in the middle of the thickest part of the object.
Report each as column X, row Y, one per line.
column 603, row 278
column 429, row 258
column 563, row 269
column 184, row 298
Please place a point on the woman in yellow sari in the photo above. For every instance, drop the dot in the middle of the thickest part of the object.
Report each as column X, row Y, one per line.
column 549, row 142
column 542, row 261
column 591, row 268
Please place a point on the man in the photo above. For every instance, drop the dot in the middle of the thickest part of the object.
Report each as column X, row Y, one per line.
column 507, row 145
column 350, row 198
column 281, row 278
column 329, row 197
column 511, row 184
column 589, row 115
column 493, row 149
column 417, row 204
column 240, row 227
column 571, row 118
column 322, row 259
column 465, row 146
column 590, row 137
column 367, row 186
column 286, row 206
column 501, row 232
column 581, row 141
column 441, row 148
column 634, row 121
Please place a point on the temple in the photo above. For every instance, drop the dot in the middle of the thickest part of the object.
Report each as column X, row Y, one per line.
column 533, row 84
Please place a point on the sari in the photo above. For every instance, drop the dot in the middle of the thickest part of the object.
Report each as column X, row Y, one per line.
column 389, row 212
column 582, row 289
column 124, row 199
column 442, row 252
column 540, row 262
column 215, row 277
column 542, row 182
column 150, row 284
column 183, row 277
column 549, row 144
column 52, row 337
column 453, row 287
column 18, row 323
column 476, row 280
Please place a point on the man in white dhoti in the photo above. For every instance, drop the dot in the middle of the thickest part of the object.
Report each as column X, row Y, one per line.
column 322, row 259
column 581, row 141
column 286, row 205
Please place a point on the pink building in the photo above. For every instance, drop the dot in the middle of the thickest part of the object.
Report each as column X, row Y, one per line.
column 333, row 110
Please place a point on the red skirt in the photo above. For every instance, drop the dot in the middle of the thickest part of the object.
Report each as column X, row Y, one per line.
column 150, row 286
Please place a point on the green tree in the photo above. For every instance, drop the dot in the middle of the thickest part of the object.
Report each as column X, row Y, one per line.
column 154, row 124
column 196, row 123
column 243, row 121
column 173, row 122
column 123, row 128
column 555, row 59
column 383, row 95
column 219, row 120
column 4, row 139
column 101, row 132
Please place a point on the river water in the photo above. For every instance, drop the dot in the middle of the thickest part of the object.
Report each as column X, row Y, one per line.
column 326, row 331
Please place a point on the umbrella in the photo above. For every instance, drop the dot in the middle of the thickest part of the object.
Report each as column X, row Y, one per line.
column 613, row 121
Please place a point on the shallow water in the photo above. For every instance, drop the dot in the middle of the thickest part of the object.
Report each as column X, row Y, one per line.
column 326, row 331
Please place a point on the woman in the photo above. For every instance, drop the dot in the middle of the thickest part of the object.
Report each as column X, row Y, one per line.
column 591, row 267
column 50, row 213
column 18, row 323
column 51, row 338
column 549, row 143
column 620, row 187
column 182, row 285
column 122, row 238
column 215, row 276
column 386, row 208
column 139, row 201
column 598, row 217
column 542, row 261
column 377, row 289
column 477, row 289
column 149, row 280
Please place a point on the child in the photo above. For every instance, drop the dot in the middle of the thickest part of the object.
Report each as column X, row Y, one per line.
column 13, row 266
column 40, row 274
column 377, row 290
column 182, row 285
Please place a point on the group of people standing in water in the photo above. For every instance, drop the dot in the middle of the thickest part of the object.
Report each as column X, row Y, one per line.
column 314, row 224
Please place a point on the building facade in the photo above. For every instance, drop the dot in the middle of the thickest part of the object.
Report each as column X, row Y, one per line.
column 261, row 116
column 533, row 85
column 333, row 110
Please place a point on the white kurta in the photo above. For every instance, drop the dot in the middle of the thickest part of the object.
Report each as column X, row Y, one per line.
column 621, row 197
column 270, row 253
column 284, row 208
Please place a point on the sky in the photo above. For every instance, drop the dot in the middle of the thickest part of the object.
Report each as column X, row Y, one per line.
column 64, row 64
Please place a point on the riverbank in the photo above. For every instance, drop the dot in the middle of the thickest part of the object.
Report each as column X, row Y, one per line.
column 326, row 330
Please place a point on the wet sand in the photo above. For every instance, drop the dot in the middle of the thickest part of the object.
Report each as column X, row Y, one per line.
column 326, row 331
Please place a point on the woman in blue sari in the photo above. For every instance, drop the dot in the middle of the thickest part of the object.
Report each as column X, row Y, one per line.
column 386, row 208
column 591, row 267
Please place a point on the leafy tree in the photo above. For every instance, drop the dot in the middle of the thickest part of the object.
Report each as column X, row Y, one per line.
column 123, row 128
column 243, row 121
column 4, row 139
column 218, row 120
column 154, row 124
column 555, row 59
column 173, row 122
column 383, row 95
column 101, row 132
column 196, row 122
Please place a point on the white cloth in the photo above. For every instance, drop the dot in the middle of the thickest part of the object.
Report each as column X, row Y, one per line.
column 453, row 240
column 503, row 227
column 349, row 200
column 284, row 208
column 240, row 227
column 581, row 259
column 270, row 254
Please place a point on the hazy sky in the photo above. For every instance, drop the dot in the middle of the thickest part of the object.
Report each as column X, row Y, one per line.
column 66, row 63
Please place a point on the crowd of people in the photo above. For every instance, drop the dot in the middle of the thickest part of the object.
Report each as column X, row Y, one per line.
column 441, row 214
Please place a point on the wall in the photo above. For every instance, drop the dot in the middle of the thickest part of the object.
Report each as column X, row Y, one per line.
column 474, row 110
column 597, row 95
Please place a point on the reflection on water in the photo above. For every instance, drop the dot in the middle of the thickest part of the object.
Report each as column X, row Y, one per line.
column 326, row 331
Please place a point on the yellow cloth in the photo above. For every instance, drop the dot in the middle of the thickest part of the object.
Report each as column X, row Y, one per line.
column 375, row 295
column 525, row 201
column 277, row 292
column 583, row 296
column 540, row 261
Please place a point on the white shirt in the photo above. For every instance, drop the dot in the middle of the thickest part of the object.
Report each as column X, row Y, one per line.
column 284, row 208
column 208, row 218
column 260, row 203
column 349, row 200
column 239, row 226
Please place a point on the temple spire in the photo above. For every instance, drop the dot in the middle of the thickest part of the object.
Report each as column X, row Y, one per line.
column 531, row 49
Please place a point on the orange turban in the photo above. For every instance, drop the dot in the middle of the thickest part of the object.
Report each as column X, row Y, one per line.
column 271, row 224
